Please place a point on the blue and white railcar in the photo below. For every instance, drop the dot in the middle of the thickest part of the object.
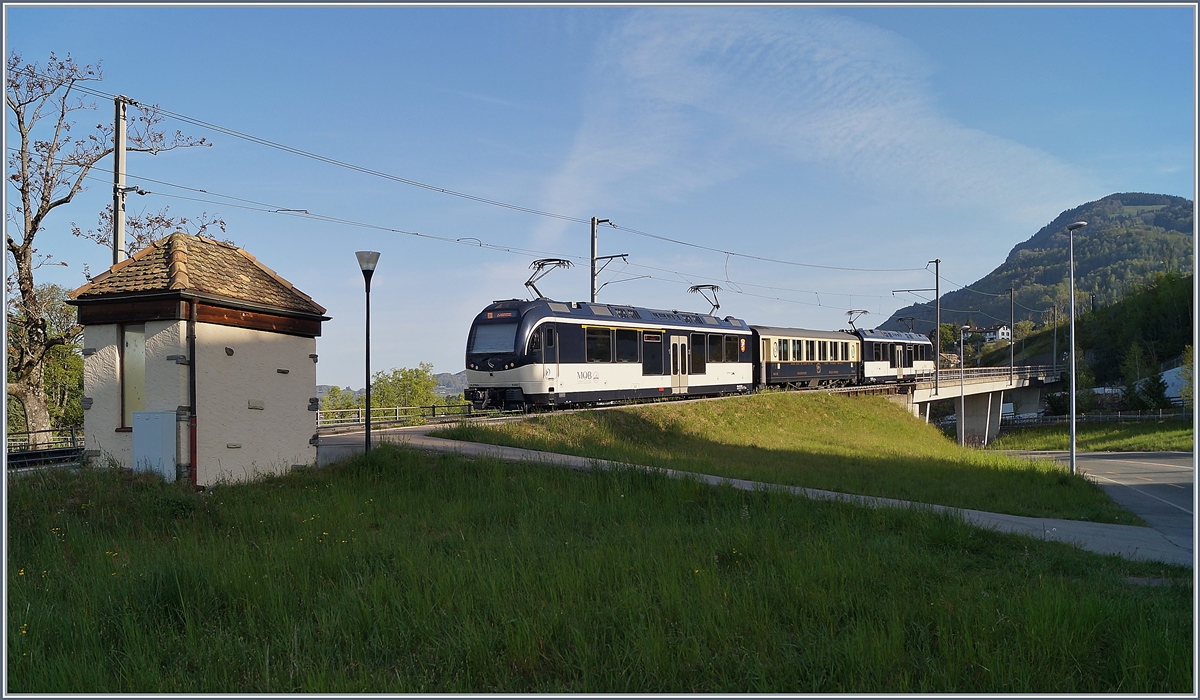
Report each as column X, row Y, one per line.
column 550, row 353
column 895, row 356
column 805, row 358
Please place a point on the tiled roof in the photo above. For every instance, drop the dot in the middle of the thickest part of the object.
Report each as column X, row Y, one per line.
column 185, row 263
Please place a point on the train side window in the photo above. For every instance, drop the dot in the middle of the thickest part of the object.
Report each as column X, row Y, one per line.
column 627, row 345
column 599, row 345
column 893, row 352
column 697, row 354
column 810, row 350
column 823, row 347
column 845, row 352
column 797, row 350
column 716, row 349
column 783, row 350
column 535, row 342
column 876, row 352
column 652, row 354
column 833, row 351
column 731, row 348
column 549, row 337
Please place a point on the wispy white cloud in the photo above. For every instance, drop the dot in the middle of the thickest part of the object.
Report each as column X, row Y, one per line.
column 680, row 100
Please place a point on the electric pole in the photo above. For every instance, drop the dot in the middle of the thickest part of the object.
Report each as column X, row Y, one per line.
column 1012, row 329
column 595, row 223
column 937, row 295
column 120, row 102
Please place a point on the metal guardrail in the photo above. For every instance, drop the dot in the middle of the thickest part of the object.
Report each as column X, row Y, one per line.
column 60, row 447
column 396, row 414
column 67, row 437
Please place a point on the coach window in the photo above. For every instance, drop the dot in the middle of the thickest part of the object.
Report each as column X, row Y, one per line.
column 797, row 350
column 599, row 345
column 833, row 351
column 810, row 350
column 627, row 345
column 731, row 348
column 783, row 350
column 697, row 353
column 716, row 349
column 848, row 351
column 823, row 349
column 535, row 342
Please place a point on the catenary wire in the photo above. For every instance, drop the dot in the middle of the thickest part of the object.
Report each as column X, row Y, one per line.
column 414, row 183
column 264, row 207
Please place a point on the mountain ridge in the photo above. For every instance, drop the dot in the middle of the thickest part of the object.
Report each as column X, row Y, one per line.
column 1130, row 237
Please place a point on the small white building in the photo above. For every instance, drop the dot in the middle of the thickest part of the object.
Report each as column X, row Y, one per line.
column 992, row 334
column 202, row 330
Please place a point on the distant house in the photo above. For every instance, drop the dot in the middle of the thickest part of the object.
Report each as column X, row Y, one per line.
column 992, row 334
column 200, row 330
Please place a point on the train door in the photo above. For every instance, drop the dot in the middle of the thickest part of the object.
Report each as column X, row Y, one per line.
column 679, row 364
column 550, row 354
column 898, row 359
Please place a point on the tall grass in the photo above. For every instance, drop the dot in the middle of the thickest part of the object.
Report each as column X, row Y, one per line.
column 860, row 445
column 402, row 572
column 1148, row 436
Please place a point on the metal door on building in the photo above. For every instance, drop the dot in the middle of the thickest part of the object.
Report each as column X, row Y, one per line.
column 679, row 364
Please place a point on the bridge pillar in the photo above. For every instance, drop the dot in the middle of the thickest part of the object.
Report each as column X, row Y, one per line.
column 978, row 420
column 1025, row 400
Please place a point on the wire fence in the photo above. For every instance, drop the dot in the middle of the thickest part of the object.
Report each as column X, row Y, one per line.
column 1114, row 417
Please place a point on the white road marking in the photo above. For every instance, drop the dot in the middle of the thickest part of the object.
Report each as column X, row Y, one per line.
column 1185, row 510
column 1151, row 464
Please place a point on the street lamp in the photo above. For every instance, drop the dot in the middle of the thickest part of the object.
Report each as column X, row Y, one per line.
column 962, row 385
column 367, row 260
column 1071, row 248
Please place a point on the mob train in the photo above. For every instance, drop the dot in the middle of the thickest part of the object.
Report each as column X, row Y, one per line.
column 549, row 353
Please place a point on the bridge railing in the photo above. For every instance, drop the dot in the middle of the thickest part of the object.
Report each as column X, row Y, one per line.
column 948, row 376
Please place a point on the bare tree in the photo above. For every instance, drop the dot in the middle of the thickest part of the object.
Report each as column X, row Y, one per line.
column 144, row 228
column 47, row 169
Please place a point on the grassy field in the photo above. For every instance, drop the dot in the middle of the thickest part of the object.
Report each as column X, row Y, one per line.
column 404, row 572
column 861, row 445
column 1146, row 436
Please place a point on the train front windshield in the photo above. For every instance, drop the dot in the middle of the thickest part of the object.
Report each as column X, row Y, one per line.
column 493, row 338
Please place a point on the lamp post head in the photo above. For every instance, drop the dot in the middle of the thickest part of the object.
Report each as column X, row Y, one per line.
column 1077, row 224
column 367, row 259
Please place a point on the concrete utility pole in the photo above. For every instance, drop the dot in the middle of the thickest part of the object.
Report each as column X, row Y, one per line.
column 1012, row 330
column 120, row 102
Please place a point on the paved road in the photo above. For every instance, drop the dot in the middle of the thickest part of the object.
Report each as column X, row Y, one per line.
column 1159, row 486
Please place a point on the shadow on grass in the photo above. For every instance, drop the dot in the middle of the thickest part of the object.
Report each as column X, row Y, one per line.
column 969, row 479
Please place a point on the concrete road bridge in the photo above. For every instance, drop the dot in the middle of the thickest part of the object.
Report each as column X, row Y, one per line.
column 979, row 393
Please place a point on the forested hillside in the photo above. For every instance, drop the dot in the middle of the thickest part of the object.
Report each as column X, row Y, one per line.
column 1130, row 237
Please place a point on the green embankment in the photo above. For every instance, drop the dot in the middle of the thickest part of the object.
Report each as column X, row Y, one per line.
column 409, row 573
column 1149, row 436
column 860, row 445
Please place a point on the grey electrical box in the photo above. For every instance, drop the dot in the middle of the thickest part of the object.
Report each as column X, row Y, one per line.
column 154, row 443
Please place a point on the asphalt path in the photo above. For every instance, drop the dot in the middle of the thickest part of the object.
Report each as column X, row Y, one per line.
column 1160, row 487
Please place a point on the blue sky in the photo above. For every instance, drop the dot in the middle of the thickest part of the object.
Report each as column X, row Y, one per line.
column 856, row 137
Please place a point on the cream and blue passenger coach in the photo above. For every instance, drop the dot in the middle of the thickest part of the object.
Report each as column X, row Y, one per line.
column 550, row 353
